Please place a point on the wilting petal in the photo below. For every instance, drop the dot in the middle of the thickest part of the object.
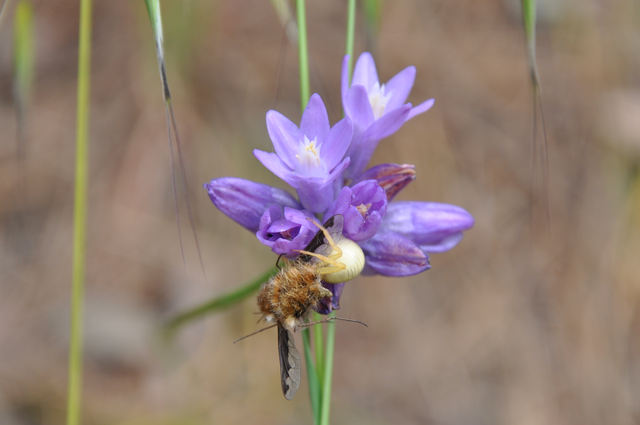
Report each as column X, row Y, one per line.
column 423, row 107
column 285, row 137
column 328, row 304
column 391, row 254
column 245, row 201
column 430, row 224
column 315, row 121
column 365, row 72
column 400, row 87
column 392, row 177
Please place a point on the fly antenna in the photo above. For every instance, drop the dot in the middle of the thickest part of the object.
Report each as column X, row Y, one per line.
column 257, row 332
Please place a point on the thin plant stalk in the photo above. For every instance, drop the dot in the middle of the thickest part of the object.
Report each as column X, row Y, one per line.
column 351, row 30
column 328, row 371
column 303, row 53
column 312, row 374
column 80, row 216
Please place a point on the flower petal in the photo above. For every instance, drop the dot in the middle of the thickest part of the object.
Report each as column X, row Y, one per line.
column 337, row 143
column 392, row 254
column 315, row 121
column 285, row 136
column 365, row 72
column 423, row 107
column 344, row 86
column 245, row 201
column 358, row 108
column 431, row 224
column 275, row 165
column 444, row 244
column 400, row 87
column 388, row 123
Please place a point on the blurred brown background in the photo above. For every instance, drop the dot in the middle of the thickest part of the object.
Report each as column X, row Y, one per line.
column 527, row 321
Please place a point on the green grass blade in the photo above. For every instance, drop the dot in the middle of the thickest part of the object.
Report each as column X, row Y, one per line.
column 153, row 9
column 80, row 216
column 219, row 303
column 539, row 155
column 23, row 53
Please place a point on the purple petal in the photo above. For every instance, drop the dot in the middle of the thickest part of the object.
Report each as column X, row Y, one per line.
column 365, row 71
column 444, row 244
column 337, row 143
column 400, row 87
column 314, row 197
column 315, row 121
column 358, row 108
column 391, row 254
column 388, row 123
column 285, row 136
column 328, row 304
column 274, row 164
column 345, row 79
column 423, row 107
column 245, row 201
column 431, row 224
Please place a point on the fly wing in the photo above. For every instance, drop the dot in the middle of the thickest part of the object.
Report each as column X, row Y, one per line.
column 290, row 364
column 319, row 243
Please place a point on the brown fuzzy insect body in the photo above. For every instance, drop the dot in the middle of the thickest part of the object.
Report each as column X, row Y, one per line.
column 289, row 297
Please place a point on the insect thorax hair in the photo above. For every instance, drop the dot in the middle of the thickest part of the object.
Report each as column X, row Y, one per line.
column 289, row 296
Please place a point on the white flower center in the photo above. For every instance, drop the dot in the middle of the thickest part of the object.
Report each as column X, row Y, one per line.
column 378, row 99
column 309, row 162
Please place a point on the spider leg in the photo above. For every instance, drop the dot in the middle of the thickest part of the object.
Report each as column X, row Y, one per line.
column 335, row 266
column 338, row 251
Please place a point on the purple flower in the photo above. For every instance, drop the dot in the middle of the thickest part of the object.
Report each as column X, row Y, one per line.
column 433, row 226
column 309, row 158
column 245, row 201
column 392, row 177
column 286, row 232
column 363, row 207
column 377, row 110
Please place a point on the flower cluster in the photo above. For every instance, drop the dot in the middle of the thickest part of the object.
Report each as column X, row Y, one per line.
column 326, row 166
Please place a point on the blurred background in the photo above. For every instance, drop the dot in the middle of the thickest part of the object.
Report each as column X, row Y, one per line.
column 532, row 319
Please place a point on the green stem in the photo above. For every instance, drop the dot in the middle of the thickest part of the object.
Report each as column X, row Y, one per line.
column 312, row 377
column 318, row 342
column 328, row 371
column 303, row 53
column 80, row 216
column 351, row 31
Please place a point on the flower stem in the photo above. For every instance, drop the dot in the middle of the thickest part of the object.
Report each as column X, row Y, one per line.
column 80, row 216
column 318, row 341
column 328, row 371
column 312, row 377
column 351, row 30
column 303, row 53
